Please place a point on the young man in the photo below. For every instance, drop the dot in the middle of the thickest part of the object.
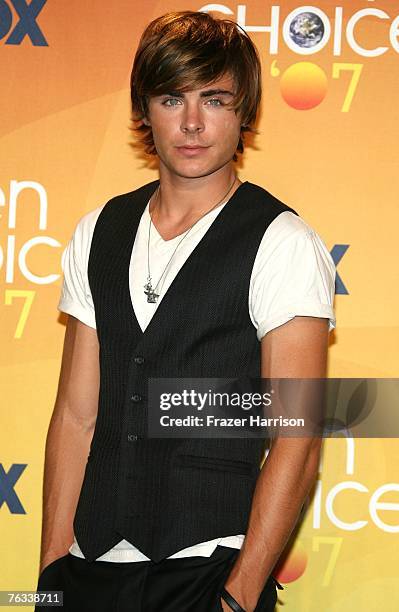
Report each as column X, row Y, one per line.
column 195, row 275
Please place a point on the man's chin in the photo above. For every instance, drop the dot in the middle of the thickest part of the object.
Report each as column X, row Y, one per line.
column 194, row 170
column 190, row 173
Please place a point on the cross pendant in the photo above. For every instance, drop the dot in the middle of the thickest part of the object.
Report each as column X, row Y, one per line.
column 150, row 293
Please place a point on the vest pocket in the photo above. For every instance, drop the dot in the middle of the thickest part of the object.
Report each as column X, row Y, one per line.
column 215, row 463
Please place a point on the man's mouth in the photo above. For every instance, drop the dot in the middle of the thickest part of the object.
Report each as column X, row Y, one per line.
column 190, row 150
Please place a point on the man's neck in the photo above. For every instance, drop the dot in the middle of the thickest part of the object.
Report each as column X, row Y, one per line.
column 182, row 200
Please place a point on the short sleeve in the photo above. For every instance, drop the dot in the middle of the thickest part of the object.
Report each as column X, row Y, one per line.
column 293, row 275
column 76, row 298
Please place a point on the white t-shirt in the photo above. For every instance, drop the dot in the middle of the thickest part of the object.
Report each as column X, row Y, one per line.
column 293, row 274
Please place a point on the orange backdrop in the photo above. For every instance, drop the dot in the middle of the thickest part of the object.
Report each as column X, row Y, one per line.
column 327, row 147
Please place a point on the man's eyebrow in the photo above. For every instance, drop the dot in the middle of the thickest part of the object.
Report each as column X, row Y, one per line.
column 203, row 94
column 216, row 92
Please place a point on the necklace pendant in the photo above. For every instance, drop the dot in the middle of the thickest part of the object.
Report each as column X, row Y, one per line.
column 150, row 293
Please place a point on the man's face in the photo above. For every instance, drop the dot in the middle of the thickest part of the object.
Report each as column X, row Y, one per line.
column 195, row 134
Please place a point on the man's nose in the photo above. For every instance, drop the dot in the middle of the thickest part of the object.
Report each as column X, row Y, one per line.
column 192, row 120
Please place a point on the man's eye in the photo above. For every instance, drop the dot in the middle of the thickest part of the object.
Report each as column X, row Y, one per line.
column 170, row 102
column 177, row 101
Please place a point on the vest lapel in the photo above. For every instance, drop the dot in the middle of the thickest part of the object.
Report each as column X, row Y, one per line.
column 165, row 303
column 133, row 217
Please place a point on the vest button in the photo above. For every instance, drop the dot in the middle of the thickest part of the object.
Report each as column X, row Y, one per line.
column 139, row 359
column 132, row 437
column 136, row 397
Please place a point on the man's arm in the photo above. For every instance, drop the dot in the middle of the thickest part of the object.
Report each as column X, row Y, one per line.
column 297, row 349
column 69, row 437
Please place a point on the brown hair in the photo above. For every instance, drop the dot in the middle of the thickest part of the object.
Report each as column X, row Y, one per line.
column 185, row 50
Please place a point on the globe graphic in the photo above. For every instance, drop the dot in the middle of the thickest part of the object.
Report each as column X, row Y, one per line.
column 306, row 29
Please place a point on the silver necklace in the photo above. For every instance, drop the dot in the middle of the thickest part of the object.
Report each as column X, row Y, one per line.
column 149, row 290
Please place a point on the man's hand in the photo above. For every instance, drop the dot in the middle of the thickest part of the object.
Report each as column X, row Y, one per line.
column 48, row 559
column 249, row 607
column 249, row 604
column 226, row 607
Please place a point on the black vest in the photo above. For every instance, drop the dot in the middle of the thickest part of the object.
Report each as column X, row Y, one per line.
column 163, row 495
